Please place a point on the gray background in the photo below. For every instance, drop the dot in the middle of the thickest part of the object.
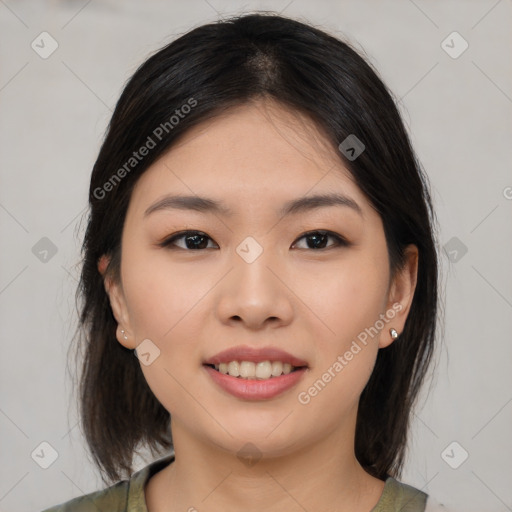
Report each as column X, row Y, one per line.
column 53, row 115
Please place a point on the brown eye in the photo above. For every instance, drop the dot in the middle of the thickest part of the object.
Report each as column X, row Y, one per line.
column 318, row 240
column 192, row 240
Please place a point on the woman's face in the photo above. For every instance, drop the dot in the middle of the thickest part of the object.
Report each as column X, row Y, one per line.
column 252, row 287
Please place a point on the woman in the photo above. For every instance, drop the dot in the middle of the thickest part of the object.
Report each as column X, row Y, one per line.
column 260, row 238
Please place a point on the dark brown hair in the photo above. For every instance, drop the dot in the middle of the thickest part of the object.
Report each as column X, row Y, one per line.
column 214, row 67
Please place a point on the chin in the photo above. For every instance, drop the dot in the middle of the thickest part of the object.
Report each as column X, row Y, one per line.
column 266, row 437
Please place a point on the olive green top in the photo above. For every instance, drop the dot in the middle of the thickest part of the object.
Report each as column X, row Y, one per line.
column 128, row 495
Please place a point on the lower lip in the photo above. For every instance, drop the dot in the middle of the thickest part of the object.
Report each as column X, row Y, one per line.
column 254, row 389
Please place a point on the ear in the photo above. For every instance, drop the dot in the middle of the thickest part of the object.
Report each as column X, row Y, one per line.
column 118, row 304
column 401, row 293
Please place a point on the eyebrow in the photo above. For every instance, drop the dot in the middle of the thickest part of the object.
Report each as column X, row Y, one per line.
column 292, row 207
column 308, row 203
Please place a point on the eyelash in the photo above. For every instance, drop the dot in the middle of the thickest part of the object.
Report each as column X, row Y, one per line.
column 340, row 241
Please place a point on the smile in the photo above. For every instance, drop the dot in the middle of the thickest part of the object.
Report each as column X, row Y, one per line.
column 260, row 370
column 255, row 373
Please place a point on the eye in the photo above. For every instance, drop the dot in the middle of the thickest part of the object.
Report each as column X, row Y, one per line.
column 197, row 240
column 193, row 240
column 318, row 239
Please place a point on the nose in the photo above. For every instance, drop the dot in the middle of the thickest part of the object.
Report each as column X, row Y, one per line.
column 255, row 293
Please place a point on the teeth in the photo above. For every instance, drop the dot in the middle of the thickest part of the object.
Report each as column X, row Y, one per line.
column 234, row 368
column 247, row 370
column 263, row 370
column 250, row 370
column 277, row 368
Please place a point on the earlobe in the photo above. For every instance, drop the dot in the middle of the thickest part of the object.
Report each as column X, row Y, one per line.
column 125, row 338
column 124, row 333
column 118, row 305
column 400, row 297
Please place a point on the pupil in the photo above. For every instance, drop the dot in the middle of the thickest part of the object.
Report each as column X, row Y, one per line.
column 317, row 237
column 196, row 245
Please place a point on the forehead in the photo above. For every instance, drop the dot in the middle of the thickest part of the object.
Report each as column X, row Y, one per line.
column 250, row 154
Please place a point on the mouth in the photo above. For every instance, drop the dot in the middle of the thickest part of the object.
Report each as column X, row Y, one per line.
column 261, row 370
column 255, row 374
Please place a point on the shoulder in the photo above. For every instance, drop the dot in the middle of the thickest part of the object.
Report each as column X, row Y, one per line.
column 124, row 496
column 113, row 499
column 398, row 496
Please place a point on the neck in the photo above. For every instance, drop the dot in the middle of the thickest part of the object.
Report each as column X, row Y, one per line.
column 322, row 476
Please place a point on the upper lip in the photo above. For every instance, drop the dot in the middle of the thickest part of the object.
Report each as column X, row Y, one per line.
column 246, row 353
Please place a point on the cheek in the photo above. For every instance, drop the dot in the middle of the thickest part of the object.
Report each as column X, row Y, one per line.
column 346, row 299
column 167, row 306
column 161, row 297
column 349, row 305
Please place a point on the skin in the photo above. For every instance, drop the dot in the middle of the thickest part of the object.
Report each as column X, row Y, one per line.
column 310, row 302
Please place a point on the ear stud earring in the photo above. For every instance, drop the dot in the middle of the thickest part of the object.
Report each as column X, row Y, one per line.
column 394, row 333
column 124, row 335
